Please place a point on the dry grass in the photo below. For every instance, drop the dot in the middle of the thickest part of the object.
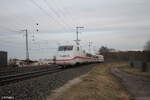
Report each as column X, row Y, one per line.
column 98, row 84
column 135, row 71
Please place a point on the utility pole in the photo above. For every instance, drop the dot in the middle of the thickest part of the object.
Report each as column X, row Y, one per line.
column 90, row 44
column 27, row 46
column 77, row 32
column 27, row 49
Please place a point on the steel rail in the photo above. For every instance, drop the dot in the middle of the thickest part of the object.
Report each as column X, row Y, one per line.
column 21, row 76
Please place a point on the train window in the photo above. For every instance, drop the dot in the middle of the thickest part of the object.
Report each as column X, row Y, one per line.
column 65, row 48
column 69, row 47
column 89, row 55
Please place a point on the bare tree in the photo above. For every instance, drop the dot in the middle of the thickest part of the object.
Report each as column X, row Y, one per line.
column 105, row 49
column 147, row 46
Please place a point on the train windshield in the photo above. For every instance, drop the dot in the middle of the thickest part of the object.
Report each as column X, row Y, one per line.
column 65, row 48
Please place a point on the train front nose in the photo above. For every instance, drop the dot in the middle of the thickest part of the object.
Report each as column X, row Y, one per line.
column 62, row 58
column 64, row 54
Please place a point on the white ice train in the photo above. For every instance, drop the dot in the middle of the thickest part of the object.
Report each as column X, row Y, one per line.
column 74, row 54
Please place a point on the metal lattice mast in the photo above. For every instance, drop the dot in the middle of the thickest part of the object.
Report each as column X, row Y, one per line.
column 77, row 32
column 90, row 44
column 27, row 48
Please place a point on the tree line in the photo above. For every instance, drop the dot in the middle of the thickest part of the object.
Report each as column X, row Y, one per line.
column 111, row 54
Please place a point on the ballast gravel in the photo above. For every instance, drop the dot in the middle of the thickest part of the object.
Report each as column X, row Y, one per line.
column 40, row 87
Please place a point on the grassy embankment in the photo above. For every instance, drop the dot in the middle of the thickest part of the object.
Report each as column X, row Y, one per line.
column 135, row 71
column 98, row 84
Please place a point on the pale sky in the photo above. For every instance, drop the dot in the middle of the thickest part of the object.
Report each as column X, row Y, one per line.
column 119, row 24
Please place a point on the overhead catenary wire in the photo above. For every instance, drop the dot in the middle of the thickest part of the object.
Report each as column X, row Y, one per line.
column 17, row 18
column 14, row 15
column 63, row 11
column 68, row 11
column 48, row 14
column 13, row 30
column 56, row 13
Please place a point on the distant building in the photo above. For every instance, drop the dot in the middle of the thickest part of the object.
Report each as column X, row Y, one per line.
column 3, row 58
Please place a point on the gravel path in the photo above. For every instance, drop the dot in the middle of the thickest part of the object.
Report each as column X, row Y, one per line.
column 139, row 86
column 38, row 88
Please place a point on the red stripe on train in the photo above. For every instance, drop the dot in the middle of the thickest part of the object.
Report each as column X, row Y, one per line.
column 74, row 58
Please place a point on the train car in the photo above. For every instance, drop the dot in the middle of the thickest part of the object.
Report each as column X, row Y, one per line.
column 69, row 55
column 74, row 54
column 100, row 58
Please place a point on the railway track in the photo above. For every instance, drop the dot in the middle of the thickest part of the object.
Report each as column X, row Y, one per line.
column 21, row 76
column 11, row 70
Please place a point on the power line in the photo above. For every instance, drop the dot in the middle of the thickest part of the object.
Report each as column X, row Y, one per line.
column 62, row 12
column 43, row 10
column 56, row 13
column 61, row 9
column 51, row 8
